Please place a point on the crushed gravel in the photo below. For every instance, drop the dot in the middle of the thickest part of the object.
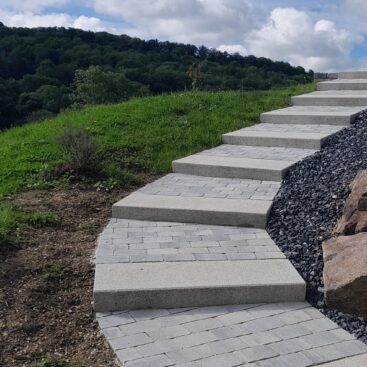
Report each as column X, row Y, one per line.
column 308, row 206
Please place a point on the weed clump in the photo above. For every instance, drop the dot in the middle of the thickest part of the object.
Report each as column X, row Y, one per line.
column 80, row 152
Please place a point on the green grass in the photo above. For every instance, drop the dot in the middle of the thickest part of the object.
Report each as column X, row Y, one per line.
column 143, row 134
column 57, row 362
column 12, row 219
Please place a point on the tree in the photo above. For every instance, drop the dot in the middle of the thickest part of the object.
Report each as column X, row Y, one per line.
column 95, row 86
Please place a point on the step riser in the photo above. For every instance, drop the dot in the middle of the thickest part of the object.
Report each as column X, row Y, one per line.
column 352, row 75
column 228, row 172
column 273, row 142
column 341, row 86
column 332, row 101
column 307, row 120
column 196, row 297
column 191, row 216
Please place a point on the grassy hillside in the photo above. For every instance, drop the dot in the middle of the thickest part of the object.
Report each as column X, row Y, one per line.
column 142, row 135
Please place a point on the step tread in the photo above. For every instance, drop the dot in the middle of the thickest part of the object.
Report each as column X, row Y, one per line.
column 287, row 131
column 267, row 335
column 205, row 200
column 344, row 111
column 195, row 283
column 241, row 161
column 180, row 185
column 133, row 241
column 231, row 162
column 334, row 94
column 250, row 152
column 194, row 274
column 345, row 81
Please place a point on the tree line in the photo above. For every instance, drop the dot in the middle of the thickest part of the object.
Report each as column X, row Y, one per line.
column 45, row 70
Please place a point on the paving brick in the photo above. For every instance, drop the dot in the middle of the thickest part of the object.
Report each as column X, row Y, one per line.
column 158, row 347
column 257, row 353
column 130, row 341
column 266, row 323
column 155, row 361
column 191, row 354
column 195, row 339
column 262, row 338
column 223, row 360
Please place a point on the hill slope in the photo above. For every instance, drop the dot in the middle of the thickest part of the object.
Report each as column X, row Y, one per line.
column 141, row 135
column 37, row 68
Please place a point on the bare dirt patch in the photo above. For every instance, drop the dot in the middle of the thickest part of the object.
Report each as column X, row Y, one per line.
column 46, row 286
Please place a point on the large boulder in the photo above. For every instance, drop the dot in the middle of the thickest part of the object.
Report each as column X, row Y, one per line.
column 345, row 273
column 354, row 219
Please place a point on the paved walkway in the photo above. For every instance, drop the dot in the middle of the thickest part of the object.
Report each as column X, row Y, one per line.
column 186, row 275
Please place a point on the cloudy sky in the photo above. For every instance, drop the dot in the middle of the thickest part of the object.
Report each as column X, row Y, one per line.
column 324, row 35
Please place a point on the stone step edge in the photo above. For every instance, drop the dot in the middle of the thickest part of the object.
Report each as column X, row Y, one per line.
column 276, row 139
column 228, row 167
column 195, row 284
column 232, row 212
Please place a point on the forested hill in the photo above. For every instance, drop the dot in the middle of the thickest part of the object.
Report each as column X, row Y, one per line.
column 44, row 70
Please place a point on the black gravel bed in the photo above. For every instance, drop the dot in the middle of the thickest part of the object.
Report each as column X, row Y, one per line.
column 308, row 206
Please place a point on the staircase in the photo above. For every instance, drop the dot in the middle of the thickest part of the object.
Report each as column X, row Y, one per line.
column 186, row 274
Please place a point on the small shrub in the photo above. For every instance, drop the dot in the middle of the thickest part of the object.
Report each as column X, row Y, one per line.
column 80, row 152
column 54, row 272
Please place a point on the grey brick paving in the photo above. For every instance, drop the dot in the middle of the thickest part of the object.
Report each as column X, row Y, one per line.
column 177, row 184
column 271, row 153
column 143, row 241
column 268, row 335
column 262, row 335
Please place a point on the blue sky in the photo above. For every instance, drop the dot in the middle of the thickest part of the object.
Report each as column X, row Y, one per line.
column 323, row 35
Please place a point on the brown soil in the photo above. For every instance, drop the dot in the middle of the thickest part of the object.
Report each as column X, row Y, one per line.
column 46, row 286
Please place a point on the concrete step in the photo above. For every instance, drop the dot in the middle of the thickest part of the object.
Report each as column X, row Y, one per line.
column 353, row 75
column 235, row 161
column 267, row 335
column 171, row 264
column 187, row 284
column 203, row 200
column 332, row 98
column 312, row 115
column 343, row 84
column 282, row 135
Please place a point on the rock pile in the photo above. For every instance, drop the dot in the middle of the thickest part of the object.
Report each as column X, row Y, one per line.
column 308, row 206
column 345, row 257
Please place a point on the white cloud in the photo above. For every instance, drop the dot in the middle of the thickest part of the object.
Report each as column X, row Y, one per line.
column 233, row 49
column 357, row 6
column 290, row 35
column 209, row 22
column 28, row 19
column 89, row 24
column 34, row 6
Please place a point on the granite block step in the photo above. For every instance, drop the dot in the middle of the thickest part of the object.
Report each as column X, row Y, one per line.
column 203, row 200
column 343, row 84
column 332, row 98
column 246, row 162
column 352, row 75
column 282, row 135
column 312, row 115
column 124, row 286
